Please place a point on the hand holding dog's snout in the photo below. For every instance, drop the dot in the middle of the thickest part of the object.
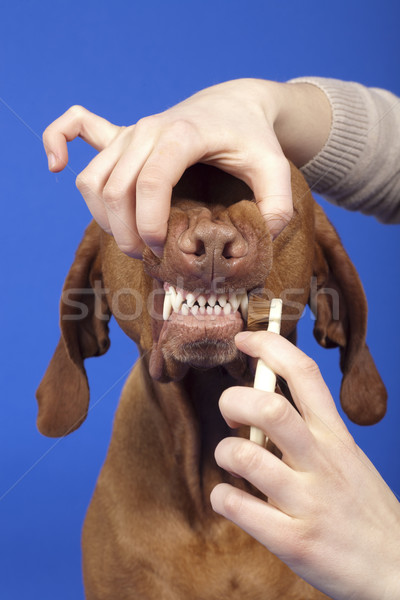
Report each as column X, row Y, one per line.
column 328, row 513
column 128, row 185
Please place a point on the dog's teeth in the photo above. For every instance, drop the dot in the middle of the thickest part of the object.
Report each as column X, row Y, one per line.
column 177, row 301
column 172, row 291
column 217, row 309
column 227, row 309
column 202, row 310
column 244, row 303
column 209, row 310
column 234, row 301
column 190, row 299
column 185, row 309
column 195, row 309
column 167, row 308
column 212, row 299
column 202, row 300
column 222, row 300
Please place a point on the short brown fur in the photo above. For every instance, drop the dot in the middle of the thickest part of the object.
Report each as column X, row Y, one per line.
column 150, row 532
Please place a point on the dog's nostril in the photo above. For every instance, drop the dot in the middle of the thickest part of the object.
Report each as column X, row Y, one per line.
column 200, row 249
column 227, row 251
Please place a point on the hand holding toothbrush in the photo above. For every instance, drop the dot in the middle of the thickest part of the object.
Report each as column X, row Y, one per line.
column 329, row 514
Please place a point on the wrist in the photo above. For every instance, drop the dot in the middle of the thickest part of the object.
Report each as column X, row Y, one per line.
column 302, row 121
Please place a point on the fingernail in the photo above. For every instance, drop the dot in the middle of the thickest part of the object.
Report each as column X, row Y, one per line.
column 243, row 335
column 158, row 251
column 52, row 160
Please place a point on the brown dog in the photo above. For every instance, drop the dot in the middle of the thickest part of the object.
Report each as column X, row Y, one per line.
column 150, row 532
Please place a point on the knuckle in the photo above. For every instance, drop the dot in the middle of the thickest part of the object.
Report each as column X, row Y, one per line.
column 279, row 160
column 246, row 457
column 112, row 193
column 87, row 183
column 145, row 124
column 83, row 182
column 308, row 367
column 150, row 180
column 232, row 503
column 181, row 128
column 76, row 111
column 275, row 411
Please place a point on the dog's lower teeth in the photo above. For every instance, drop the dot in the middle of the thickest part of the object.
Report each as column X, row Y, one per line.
column 186, row 303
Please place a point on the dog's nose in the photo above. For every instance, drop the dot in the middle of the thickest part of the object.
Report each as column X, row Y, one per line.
column 212, row 246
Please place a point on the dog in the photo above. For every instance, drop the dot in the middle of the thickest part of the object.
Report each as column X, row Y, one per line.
column 150, row 532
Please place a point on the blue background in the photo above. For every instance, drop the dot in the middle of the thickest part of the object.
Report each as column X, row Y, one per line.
column 125, row 60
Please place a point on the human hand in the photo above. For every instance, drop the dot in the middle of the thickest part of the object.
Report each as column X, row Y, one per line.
column 329, row 515
column 128, row 185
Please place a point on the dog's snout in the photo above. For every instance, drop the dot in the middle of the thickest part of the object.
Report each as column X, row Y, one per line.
column 212, row 245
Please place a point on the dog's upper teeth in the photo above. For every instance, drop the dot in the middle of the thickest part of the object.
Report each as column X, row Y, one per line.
column 190, row 299
column 234, row 301
column 227, row 309
column 222, row 300
column 212, row 299
column 213, row 304
column 167, row 309
column 202, row 301
column 178, row 301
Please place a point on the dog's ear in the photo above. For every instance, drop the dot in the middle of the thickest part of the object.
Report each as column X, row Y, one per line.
column 338, row 302
column 63, row 394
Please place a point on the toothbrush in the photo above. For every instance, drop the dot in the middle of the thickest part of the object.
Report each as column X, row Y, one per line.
column 265, row 378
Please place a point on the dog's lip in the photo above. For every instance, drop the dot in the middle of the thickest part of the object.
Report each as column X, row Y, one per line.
column 190, row 326
column 187, row 330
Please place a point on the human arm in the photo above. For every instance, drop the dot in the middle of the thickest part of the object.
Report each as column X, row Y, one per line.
column 358, row 167
column 329, row 516
column 234, row 126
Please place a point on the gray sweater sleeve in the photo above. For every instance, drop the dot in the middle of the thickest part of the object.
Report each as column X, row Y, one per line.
column 359, row 166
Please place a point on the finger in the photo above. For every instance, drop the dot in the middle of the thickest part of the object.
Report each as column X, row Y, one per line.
column 276, row 417
column 176, row 149
column 119, row 194
column 271, row 184
column 77, row 121
column 261, row 520
column 260, row 468
column 93, row 180
column 308, row 389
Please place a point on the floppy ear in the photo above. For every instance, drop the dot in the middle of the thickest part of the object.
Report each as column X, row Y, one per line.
column 63, row 394
column 338, row 302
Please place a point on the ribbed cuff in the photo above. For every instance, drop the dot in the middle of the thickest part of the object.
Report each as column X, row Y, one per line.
column 347, row 138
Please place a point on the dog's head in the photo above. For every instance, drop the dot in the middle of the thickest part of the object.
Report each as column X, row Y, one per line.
column 184, row 310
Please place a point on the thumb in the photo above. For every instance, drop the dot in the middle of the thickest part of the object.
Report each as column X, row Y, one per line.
column 273, row 194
